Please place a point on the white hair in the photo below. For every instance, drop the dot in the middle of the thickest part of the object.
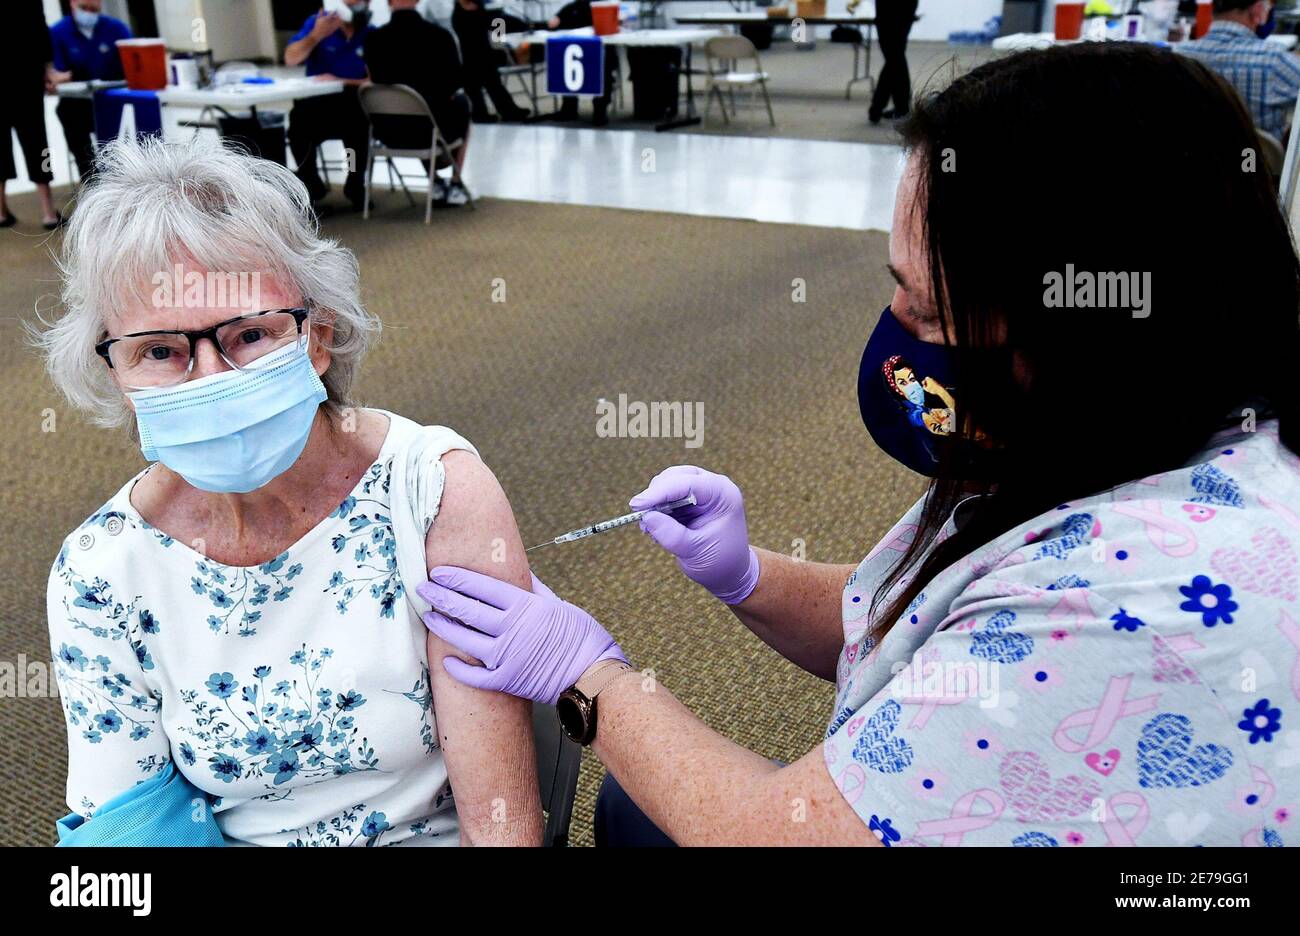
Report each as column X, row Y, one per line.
column 152, row 204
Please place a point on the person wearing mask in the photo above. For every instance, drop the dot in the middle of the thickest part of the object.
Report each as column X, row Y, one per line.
column 473, row 26
column 85, row 49
column 577, row 15
column 1060, row 622
column 27, row 72
column 410, row 50
column 1266, row 76
column 894, row 19
column 332, row 45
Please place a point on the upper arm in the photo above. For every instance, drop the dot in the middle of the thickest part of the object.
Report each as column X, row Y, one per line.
column 485, row 736
column 98, row 642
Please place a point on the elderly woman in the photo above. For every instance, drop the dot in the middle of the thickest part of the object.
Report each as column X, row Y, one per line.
column 236, row 607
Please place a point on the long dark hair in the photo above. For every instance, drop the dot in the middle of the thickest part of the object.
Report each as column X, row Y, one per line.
column 1112, row 157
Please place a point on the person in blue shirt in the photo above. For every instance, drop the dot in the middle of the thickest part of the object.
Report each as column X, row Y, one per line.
column 332, row 45
column 85, row 49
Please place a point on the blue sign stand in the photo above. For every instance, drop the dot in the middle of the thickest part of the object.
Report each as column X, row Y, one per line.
column 575, row 66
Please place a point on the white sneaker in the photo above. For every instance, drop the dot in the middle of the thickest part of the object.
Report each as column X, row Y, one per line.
column 457, row 195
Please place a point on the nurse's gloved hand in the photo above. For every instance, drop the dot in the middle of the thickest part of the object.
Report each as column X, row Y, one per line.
column 532, row 644
column 709, row 540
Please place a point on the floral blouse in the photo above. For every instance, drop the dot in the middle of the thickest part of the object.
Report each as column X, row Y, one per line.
column 1124, row 670
column 294, row 693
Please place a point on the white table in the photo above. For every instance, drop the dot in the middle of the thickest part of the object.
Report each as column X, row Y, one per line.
column 638, row 38
column 236, row 97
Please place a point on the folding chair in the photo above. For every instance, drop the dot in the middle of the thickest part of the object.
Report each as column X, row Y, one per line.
column 1288, row 183
column 724, row 55
column 403, row 101
column 558, row 760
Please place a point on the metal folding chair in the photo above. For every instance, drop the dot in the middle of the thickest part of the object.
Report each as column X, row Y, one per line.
column 404, row 101
column 724, row 55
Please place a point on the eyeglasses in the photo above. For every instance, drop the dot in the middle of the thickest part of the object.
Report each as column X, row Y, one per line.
column 165, row 358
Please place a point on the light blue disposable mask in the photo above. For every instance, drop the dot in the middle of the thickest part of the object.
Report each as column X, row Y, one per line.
column 85, row 20
column 234, row 431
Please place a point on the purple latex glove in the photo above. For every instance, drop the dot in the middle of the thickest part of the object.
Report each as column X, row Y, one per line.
column 710, row 540
column 532, row 644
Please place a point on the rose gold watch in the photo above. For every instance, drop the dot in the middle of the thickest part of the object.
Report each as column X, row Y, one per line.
column 576, row 705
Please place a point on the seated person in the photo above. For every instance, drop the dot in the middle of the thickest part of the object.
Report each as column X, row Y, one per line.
column 411, row 51
column 577, row 15
column 236, row 606
column 332, row 44
column 1266, row 76
column 473, row 25
column 85, row 49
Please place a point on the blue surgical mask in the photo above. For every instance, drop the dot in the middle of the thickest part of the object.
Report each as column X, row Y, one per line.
column 1265, row 29
column 85, row 20
column 234, row 431
column 899, row 381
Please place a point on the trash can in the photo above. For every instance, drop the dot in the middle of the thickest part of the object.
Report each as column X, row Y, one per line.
column 655, row 74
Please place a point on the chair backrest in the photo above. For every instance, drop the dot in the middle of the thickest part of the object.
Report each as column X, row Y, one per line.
column 399, row 100
column 730, row 48
column 1273, row 155
column 558, row 760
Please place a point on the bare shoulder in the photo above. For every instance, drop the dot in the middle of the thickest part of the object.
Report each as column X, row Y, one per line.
column 475, row 527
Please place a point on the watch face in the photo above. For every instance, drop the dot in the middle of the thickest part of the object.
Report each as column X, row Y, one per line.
column 571, row 719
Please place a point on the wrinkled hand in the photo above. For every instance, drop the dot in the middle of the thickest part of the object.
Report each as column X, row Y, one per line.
column 532, row 644
column 710, row 540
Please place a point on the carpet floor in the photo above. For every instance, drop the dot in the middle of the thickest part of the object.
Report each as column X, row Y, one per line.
column 599, row 302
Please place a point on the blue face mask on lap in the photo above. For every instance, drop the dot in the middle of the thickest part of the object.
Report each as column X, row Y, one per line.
column 234, row 431
column 910, row 404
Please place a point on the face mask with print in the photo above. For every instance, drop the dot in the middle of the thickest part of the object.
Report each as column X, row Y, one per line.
column 910, row 404
column 234, row 431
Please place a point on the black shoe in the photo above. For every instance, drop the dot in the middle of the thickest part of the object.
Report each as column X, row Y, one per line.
column 485, row 118
column 58, row 222
column 8, row 221
column 873, row 117
column 566, row 113
column 518, row 115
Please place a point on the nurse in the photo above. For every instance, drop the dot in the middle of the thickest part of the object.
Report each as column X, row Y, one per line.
column 85, row 49
column 1086, row 632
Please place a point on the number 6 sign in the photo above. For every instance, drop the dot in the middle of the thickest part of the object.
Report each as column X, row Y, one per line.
column 575, row 66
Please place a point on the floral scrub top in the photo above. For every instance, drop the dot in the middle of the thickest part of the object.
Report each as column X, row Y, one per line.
column 1120, row 671
column 295, row 693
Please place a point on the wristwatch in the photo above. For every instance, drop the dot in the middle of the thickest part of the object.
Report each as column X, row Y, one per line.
column 577, row 704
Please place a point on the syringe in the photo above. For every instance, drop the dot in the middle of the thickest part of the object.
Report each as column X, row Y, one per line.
column 605, row 525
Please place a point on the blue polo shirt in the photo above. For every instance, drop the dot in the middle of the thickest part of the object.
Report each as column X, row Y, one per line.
column 336, row 54
column 95, row 57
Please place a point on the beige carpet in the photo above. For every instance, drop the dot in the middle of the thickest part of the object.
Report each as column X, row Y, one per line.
column 599, row 302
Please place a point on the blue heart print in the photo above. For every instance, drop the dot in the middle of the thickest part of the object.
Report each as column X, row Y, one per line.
column 995, row 644
column 1212, row 486
column 877, row 748
column 1166, row 757
column 1035, row 840
column 1075, row 531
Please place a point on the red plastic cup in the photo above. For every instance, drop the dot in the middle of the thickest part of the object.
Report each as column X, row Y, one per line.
column 604, row 18
column 1069, row 20
column 144, row 62
column 1204, row 17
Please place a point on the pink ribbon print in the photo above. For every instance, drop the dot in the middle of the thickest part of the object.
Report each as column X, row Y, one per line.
column 1100, row 721
column 1160, row 529
column 1291, row 631
column 1120, row 832
column 963, row 819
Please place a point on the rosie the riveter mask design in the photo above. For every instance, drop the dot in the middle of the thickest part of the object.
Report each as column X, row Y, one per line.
column 909, row 403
